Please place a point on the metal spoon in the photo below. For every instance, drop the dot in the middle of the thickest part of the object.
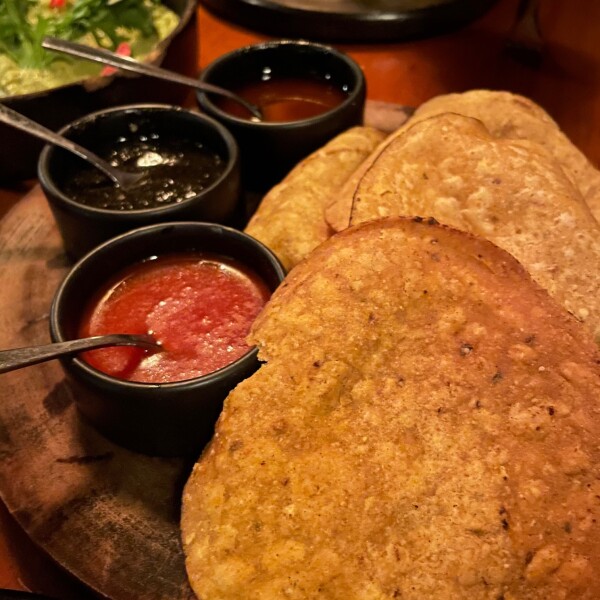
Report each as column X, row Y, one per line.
column 106, row 57
column 124, row 180
column 18, row 358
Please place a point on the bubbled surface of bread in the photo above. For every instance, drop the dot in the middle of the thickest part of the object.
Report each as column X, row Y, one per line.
column 512, row 192
column 512, row 116
column 505, row 115
column 426, row 426
column 290, row 218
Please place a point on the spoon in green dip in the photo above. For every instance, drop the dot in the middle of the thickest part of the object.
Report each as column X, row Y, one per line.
column 125, row 180
column 111, row 59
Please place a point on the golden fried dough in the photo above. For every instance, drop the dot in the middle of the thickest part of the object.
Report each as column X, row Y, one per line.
column 515, row 117
column 290, row 219
column 426, row 427
column 592, row 199
column 505, row 115
column 511, row 192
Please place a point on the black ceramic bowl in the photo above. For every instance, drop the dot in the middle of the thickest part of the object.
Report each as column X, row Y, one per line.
column 54, row 108
column 270, row 149
column 158, row 419
column 83, row 227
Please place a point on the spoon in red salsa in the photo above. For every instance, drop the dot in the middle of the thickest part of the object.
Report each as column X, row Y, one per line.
column 17, row 358
column 200, row 306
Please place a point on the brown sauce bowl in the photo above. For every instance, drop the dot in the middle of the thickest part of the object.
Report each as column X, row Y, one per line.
column 269, row 150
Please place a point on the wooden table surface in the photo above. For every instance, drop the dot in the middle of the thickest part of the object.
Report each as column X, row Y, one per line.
column 564, row 79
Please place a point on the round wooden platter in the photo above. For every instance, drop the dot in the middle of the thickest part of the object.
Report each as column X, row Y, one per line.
column 108, row 516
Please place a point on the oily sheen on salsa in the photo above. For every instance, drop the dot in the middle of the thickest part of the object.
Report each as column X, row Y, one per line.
column 285, row 99
column 199, row 307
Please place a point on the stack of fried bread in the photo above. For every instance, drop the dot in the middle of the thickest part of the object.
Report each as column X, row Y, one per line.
column 511, row 192
column 427, row 421
column 505, row 115
column 511, row 116
column 483, row 175
column 291, row 217
column 426, row 426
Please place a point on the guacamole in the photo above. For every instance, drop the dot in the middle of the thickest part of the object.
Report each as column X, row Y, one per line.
column 19, row 74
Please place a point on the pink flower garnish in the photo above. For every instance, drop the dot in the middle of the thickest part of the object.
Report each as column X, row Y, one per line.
column 124, row 49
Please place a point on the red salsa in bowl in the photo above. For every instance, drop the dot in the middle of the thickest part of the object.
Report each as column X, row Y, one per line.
column 197, row 287
column 198, row 306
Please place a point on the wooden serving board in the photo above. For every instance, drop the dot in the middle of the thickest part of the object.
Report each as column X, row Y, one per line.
column 108, row 516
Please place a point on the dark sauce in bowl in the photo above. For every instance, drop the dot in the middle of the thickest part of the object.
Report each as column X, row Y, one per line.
column 177, row 170
column 284, row 99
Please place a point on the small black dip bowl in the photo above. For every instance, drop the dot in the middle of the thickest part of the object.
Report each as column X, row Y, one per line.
column 166, row 419
column 191, row 160
column 270, row 149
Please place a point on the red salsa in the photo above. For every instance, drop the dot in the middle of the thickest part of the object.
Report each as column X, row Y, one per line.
column 285, row 99
column 199, row 307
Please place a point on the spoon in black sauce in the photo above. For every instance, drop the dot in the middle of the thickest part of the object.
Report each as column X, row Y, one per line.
column 125, row 180
column 17, row 358
column 111, row 59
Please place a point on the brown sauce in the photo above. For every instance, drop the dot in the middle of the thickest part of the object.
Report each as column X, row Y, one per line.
column 285, row 99
column 178, row 169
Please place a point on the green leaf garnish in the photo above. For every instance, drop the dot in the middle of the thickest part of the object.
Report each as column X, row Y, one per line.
column 25, row 23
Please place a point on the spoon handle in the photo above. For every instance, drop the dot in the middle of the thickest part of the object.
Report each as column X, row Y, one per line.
column 106, row 57
column 15, row 119
column 24, row 357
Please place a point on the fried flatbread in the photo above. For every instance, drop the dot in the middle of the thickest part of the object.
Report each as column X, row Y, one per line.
column 505, row 115
column 290, row 219
column 511, row 192
column 426, row 426
column 516, row 117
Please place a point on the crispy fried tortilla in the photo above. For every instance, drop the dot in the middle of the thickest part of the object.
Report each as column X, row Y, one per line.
column 511, row 192
column 426, row 426
column 505, row 115
column 515, row 117
column 290, row 219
